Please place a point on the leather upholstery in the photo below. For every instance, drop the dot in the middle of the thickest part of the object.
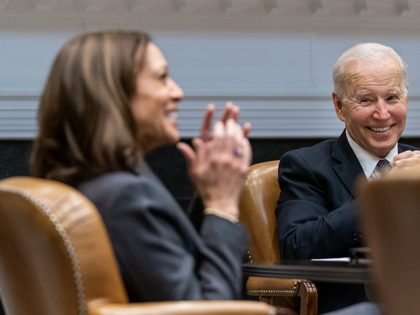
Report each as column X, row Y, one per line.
column 56, row 258
column 390, row 213
column 257, row 204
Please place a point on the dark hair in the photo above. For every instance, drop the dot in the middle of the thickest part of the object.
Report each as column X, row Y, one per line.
column 86, row 127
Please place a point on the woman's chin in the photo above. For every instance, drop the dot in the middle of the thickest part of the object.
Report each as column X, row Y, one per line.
column 154, row 139
column 175, row 139
column 173, row 135
column 170, row 139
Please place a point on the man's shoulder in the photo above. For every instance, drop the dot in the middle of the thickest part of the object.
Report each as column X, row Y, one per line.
column 406, row 147
column 321, row 149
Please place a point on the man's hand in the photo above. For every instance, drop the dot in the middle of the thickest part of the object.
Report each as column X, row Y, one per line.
column 230, row 112
column 407, row 158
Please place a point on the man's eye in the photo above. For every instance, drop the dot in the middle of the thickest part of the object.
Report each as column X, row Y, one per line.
column 364, row 100
column 163, row 76
column 391, row 98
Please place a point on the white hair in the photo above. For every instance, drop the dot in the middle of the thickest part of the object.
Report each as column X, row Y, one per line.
column 366, row 52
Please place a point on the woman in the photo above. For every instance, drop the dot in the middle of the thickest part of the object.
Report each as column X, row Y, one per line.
column 108, row 101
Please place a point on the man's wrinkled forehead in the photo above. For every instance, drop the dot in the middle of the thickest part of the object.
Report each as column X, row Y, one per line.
column 359, row 80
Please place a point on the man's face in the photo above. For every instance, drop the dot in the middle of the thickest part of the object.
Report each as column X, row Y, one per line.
column 376, row 106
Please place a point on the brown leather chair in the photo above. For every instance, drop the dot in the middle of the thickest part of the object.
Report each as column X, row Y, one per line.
column 56, row 258
column 257, row 204
column 390, row 213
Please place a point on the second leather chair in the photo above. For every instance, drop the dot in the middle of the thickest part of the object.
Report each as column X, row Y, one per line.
column 257, row 204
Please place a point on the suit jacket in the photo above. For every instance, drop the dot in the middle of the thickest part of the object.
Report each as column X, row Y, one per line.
column 316, row 210
column 160, row 254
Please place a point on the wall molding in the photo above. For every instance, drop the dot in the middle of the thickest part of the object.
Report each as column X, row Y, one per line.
column 326, row 16
column 274, row 58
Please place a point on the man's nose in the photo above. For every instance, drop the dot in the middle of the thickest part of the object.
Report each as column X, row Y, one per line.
column 381, row 110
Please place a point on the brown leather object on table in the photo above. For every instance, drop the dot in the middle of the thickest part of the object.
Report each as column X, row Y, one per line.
column 390, row 215
column 56, row 258
column 257, row 204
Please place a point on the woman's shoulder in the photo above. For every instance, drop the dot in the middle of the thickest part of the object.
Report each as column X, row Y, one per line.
column 113, row 181
column 141, row 189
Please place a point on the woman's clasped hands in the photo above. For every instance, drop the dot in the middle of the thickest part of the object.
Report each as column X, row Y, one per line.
column 219, row 165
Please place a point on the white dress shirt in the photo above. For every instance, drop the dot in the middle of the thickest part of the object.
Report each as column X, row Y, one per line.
column 367, row 160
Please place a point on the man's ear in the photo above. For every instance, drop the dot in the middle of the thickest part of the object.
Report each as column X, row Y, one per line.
column 338, row 107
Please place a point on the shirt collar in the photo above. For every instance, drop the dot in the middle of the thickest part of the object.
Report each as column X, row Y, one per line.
column 367, row 160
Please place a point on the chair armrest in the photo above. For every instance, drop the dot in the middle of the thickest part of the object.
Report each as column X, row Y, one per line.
column 308, row 298
column 260, row 286
column 184, row 307
column 273, row 288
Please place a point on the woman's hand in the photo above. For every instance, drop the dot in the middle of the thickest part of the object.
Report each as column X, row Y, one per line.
column 219, row 166
column 230, row 112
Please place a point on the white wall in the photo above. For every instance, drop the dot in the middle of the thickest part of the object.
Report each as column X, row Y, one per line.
column 275, row 64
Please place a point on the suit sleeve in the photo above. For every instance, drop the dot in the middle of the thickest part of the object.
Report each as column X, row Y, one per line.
column 307, row 228
column 161, row 256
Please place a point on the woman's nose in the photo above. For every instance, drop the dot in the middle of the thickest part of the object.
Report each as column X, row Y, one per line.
column 176, row 92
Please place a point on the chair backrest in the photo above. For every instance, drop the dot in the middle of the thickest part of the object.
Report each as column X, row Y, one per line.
column 390, row 213
column 55, row 255
column 257, row 204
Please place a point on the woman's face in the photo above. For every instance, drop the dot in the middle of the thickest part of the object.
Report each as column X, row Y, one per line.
column 155, row 103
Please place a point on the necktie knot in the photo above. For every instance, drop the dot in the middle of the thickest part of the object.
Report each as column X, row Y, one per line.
column 383, row 167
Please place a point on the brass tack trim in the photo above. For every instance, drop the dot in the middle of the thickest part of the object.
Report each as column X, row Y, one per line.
column 272, row 292
column 249, row 255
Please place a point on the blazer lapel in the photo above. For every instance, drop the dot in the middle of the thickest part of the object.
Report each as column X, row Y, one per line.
column 348, row 167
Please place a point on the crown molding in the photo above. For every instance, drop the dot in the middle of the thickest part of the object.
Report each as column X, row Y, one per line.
column 319, row 16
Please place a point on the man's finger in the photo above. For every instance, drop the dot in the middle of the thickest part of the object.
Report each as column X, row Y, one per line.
column 414, row 160
column 404, row 155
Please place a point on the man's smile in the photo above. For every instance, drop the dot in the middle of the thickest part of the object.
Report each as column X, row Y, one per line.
column 380, row 129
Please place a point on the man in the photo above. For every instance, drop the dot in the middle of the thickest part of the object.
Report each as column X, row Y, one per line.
column 316, row 211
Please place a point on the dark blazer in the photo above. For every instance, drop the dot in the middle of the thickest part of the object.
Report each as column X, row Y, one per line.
column 316, row 210
column 160, row 254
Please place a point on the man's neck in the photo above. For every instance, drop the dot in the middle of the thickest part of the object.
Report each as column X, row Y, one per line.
column 366, row 159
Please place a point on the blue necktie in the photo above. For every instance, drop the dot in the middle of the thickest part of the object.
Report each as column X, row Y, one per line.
column 383, row 167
